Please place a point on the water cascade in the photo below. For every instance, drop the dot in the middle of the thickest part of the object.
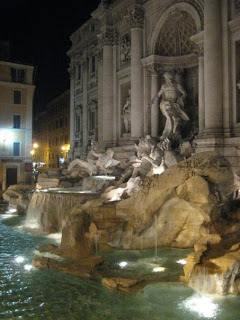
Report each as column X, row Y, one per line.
column 156, row 238
column 47, row 210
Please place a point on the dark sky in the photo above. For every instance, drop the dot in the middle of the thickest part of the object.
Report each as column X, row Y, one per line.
column 38, row 31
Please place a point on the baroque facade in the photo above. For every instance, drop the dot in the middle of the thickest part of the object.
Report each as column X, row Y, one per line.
column 118, row 61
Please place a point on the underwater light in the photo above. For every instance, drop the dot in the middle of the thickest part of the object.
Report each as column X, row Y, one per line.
column 19, row 259
column 28, row 267
column 204, row 306
column 182, row 261
column 105, row 177
column 123, row 264
column 158, row 269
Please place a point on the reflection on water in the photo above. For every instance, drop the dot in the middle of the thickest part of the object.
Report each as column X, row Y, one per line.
column 29, row 293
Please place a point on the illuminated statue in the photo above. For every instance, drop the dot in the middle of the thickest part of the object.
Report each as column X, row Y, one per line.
column 171, row 106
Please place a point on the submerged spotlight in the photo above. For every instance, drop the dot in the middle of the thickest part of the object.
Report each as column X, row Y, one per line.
column 123, row 264
column 19, row 259
column 202, row 305
column 182, row 261
column 28, row 267
column 158, row 269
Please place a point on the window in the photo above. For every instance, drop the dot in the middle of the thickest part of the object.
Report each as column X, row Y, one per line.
column 92, row 117
column 17, row 75
column 17, row 97
column 78, row 119
column 16, row 149
column 92, row 65
column 66, row 139
column 16, row 121
column 79, row 72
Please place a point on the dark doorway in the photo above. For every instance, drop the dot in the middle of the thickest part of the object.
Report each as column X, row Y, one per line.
column 11, row 176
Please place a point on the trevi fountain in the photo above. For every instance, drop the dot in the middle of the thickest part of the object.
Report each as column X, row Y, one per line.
column 152, row 236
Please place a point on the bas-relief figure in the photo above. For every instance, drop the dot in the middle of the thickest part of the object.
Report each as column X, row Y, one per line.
column 126, row 114
column 125, row 48
column 171, row 106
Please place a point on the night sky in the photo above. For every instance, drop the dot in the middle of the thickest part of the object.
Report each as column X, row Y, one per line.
column 39, row 33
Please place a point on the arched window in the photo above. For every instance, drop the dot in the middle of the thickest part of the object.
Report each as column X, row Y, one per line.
column 174, row 37
column 78, row 121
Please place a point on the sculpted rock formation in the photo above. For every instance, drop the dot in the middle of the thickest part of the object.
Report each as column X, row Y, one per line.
column 214, row 267
column 165, row 205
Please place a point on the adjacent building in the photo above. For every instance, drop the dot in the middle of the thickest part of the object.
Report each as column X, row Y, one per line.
column 51, row 136
column 121, row 53
column 16, row 101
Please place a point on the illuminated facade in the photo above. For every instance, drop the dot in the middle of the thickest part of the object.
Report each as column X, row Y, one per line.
column 52, row 132
column 16, row 100
column 127, row 46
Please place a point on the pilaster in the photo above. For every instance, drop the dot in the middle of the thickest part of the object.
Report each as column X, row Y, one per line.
column 213, row 70
column 136, row 19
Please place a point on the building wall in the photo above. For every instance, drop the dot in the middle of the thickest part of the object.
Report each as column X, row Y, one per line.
column 134, row 43
column 15, row 77
column 52, row 132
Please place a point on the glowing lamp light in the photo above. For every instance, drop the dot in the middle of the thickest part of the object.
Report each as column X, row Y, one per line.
column 19, row 259
column 32, row 152
column 63, row 148
column 35, row 145
column 123, row 264
column 6, row 136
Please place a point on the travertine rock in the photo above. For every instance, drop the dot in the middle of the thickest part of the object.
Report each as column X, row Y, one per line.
column 177, row 206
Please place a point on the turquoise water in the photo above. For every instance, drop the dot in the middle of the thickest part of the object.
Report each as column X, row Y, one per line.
column 48, row 294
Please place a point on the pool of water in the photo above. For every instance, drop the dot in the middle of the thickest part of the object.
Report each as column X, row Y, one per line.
column 47, row 294
column 166, row 266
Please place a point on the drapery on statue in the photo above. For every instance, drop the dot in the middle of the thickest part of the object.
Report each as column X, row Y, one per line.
column 173, row 96
column 126, row 110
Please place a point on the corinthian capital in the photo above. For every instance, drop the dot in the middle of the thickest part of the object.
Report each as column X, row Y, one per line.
column 136, row 18
column 108, row 37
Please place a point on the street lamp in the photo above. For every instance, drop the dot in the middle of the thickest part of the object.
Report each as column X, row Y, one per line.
column 35, row 145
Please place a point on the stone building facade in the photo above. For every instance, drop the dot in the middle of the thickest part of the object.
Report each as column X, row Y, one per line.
column 118, row 59
column 16, row 100
column 52, row 132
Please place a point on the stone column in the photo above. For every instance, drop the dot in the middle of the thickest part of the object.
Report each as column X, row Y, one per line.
column 154, row 106
column 227, row 99
column 72, row 105
column 85, row 75
column 201, row 105
column 100, row 93
column 107, row 41
column 213, row 79
column 137, row 110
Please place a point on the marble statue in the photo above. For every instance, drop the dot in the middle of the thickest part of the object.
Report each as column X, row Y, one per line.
column 171, row 106
column 126, row 110
column 148, row 156
column 96, row 162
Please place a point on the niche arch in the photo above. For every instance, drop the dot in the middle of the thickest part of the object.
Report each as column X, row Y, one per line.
column 183, row 7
